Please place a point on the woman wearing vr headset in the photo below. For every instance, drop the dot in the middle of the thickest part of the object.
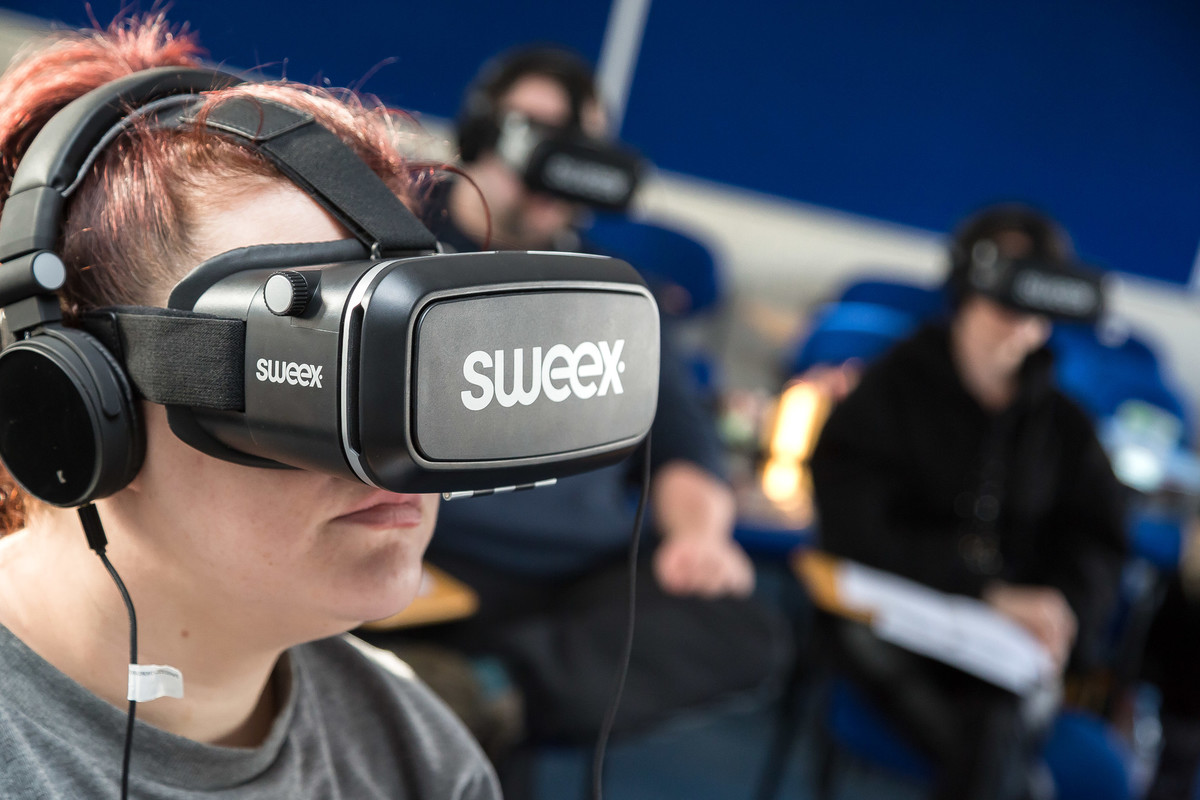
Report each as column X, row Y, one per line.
column 239, row 574
column 958, row 464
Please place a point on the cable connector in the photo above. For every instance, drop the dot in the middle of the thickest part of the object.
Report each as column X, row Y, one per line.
column 92, row 529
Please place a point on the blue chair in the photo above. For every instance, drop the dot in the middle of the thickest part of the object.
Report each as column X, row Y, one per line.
column 665, row 257
column 1102, row 375
column 919, row 301
column 1085, row 758
column 866, row 319
column 844, row 331
column 853, row 724
column 680, row 270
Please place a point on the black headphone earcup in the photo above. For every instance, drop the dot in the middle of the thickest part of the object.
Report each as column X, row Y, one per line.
column 70, row 432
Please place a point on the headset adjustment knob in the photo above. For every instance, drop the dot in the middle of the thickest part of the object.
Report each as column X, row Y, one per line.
column 287, row 293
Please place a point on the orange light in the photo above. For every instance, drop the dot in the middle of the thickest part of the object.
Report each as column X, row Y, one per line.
column 780, row 481
column 799, row 415
column 801, row 412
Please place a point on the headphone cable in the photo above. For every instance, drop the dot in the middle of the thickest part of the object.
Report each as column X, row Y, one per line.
column 94, row 531
column 610, row 715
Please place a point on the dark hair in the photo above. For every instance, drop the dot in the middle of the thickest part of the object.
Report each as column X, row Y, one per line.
column 1049, row 240
column 477, row 121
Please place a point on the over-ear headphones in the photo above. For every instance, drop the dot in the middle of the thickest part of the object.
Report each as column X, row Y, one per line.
column 478, row 120
column 70, row 431
column 69, row 425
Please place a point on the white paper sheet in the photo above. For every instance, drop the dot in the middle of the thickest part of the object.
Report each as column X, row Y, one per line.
column 957, row 630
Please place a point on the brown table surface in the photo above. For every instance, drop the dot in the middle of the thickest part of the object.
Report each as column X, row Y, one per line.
column 441, row 598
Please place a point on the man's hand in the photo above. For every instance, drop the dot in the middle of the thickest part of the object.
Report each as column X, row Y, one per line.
column 703, row 566
column 1041, row 610
column 694, row 512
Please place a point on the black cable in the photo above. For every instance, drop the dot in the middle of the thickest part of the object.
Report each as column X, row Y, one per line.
column 610, row 715
column 98, row 542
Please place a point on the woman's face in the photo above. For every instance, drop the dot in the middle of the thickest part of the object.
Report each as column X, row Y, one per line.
column 296, row 553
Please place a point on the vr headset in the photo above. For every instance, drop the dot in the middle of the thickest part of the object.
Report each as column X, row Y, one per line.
column 374, row 358
column 566, row 163
column 1062, row 291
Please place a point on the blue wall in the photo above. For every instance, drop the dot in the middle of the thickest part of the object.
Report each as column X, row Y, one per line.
column 418, row 55
column 911, row 112
column 917, row 111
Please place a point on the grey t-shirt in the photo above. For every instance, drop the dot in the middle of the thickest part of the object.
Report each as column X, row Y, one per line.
column 355, row 725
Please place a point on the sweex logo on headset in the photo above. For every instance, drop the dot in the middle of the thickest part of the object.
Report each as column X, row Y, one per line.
column 289, row 372
column 564, row 372
column 342, row 357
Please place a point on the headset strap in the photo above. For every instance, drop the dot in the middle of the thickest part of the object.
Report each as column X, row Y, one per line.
column 175, row 357
column 318, row 161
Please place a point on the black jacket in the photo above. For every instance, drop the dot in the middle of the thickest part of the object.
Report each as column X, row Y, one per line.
column 913, row 476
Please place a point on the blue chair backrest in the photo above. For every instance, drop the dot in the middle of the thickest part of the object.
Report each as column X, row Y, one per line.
column 680, row 271
column 1140, row 415
column 664, row 256
column 918, row 301
column 844, row 331
column 867, row 318
column 1103, row 375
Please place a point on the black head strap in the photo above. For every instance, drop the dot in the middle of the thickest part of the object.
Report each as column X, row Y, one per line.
column 176, row 358
column 316, row 160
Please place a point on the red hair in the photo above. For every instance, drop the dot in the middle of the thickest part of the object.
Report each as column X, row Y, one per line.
column 128, row 230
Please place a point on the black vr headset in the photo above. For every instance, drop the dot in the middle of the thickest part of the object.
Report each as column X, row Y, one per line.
column 374, row 358
column 565, row 163
column 560, row 161
column 1062, row 291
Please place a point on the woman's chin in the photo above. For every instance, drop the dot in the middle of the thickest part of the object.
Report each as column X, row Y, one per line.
column 386, row 603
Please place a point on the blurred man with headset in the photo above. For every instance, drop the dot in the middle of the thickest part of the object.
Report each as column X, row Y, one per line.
column 551, row 565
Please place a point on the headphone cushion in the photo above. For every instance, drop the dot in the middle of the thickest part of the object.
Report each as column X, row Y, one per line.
column 69, row 426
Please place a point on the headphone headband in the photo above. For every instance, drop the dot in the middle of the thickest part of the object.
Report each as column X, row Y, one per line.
column 33, row 211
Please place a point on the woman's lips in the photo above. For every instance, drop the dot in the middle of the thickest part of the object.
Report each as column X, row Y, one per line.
column 400, row 511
